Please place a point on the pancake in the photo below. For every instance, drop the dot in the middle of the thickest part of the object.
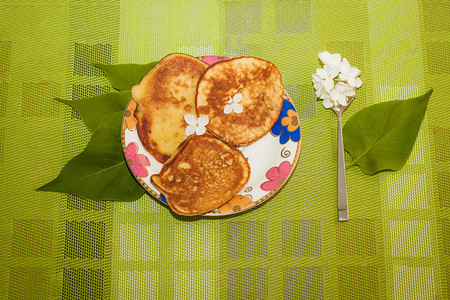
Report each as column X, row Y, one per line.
column 203, row 174
column 164, row 95
column 257, row 82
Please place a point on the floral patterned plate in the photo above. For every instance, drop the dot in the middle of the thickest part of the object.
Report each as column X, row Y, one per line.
column 272, row 158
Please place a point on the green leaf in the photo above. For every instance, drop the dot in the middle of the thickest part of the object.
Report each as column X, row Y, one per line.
column 381, row 136
column 93, row 110
column 123, row 76
column 99, row 172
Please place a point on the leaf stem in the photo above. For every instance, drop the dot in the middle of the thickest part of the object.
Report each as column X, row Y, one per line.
column 351, row 164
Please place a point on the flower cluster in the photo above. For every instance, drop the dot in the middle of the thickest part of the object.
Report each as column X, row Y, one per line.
column 336, row 81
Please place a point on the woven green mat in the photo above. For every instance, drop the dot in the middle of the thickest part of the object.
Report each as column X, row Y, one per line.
column 55, row 246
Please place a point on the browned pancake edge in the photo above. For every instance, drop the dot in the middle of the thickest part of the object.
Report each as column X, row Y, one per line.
column 203, row 174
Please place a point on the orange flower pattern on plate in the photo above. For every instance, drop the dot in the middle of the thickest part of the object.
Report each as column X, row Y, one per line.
column 237, row 203
column 129, row 121
column 291, row 120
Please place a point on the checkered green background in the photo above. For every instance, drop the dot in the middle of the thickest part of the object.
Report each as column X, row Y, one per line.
column 56, row 246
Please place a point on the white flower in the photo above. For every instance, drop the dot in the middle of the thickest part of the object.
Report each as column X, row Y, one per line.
column 327, row 75
column 196, row 125
column 233, row 104
column 331, row 60
column 319, row 86
column 327, row 102
column 340, row 93
column 349, row 74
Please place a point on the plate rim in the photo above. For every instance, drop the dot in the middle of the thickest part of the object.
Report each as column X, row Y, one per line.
column 214, row 213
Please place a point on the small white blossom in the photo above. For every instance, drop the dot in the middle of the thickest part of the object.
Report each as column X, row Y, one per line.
column 319, row 85
column 233, row 104
column 328, row 76
column 196, row 125
column 327, row 102
column 340, row 93
column 331, row 60
column 349, row 74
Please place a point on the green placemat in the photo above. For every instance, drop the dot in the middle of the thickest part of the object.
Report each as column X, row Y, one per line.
column 55, row 246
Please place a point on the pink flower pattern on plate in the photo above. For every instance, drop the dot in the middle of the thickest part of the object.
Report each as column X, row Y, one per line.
column 212, row 59
column 277, row 176
column 136, row 162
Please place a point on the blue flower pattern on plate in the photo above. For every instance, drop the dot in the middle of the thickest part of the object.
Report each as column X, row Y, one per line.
column 163, row 198
column 279, row 130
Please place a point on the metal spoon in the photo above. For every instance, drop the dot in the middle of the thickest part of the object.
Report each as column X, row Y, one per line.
column 342, row 182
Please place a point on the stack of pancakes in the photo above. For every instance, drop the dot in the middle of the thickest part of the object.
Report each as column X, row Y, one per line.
column 203, row 172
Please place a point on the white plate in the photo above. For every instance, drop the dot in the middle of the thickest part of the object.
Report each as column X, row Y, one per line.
column 272, row 158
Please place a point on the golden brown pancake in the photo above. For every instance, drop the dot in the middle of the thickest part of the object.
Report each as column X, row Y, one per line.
column 259, row 83
column 164, row 95
column 203, row 174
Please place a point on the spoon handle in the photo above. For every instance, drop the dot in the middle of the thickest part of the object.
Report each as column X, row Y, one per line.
column 342, row 183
